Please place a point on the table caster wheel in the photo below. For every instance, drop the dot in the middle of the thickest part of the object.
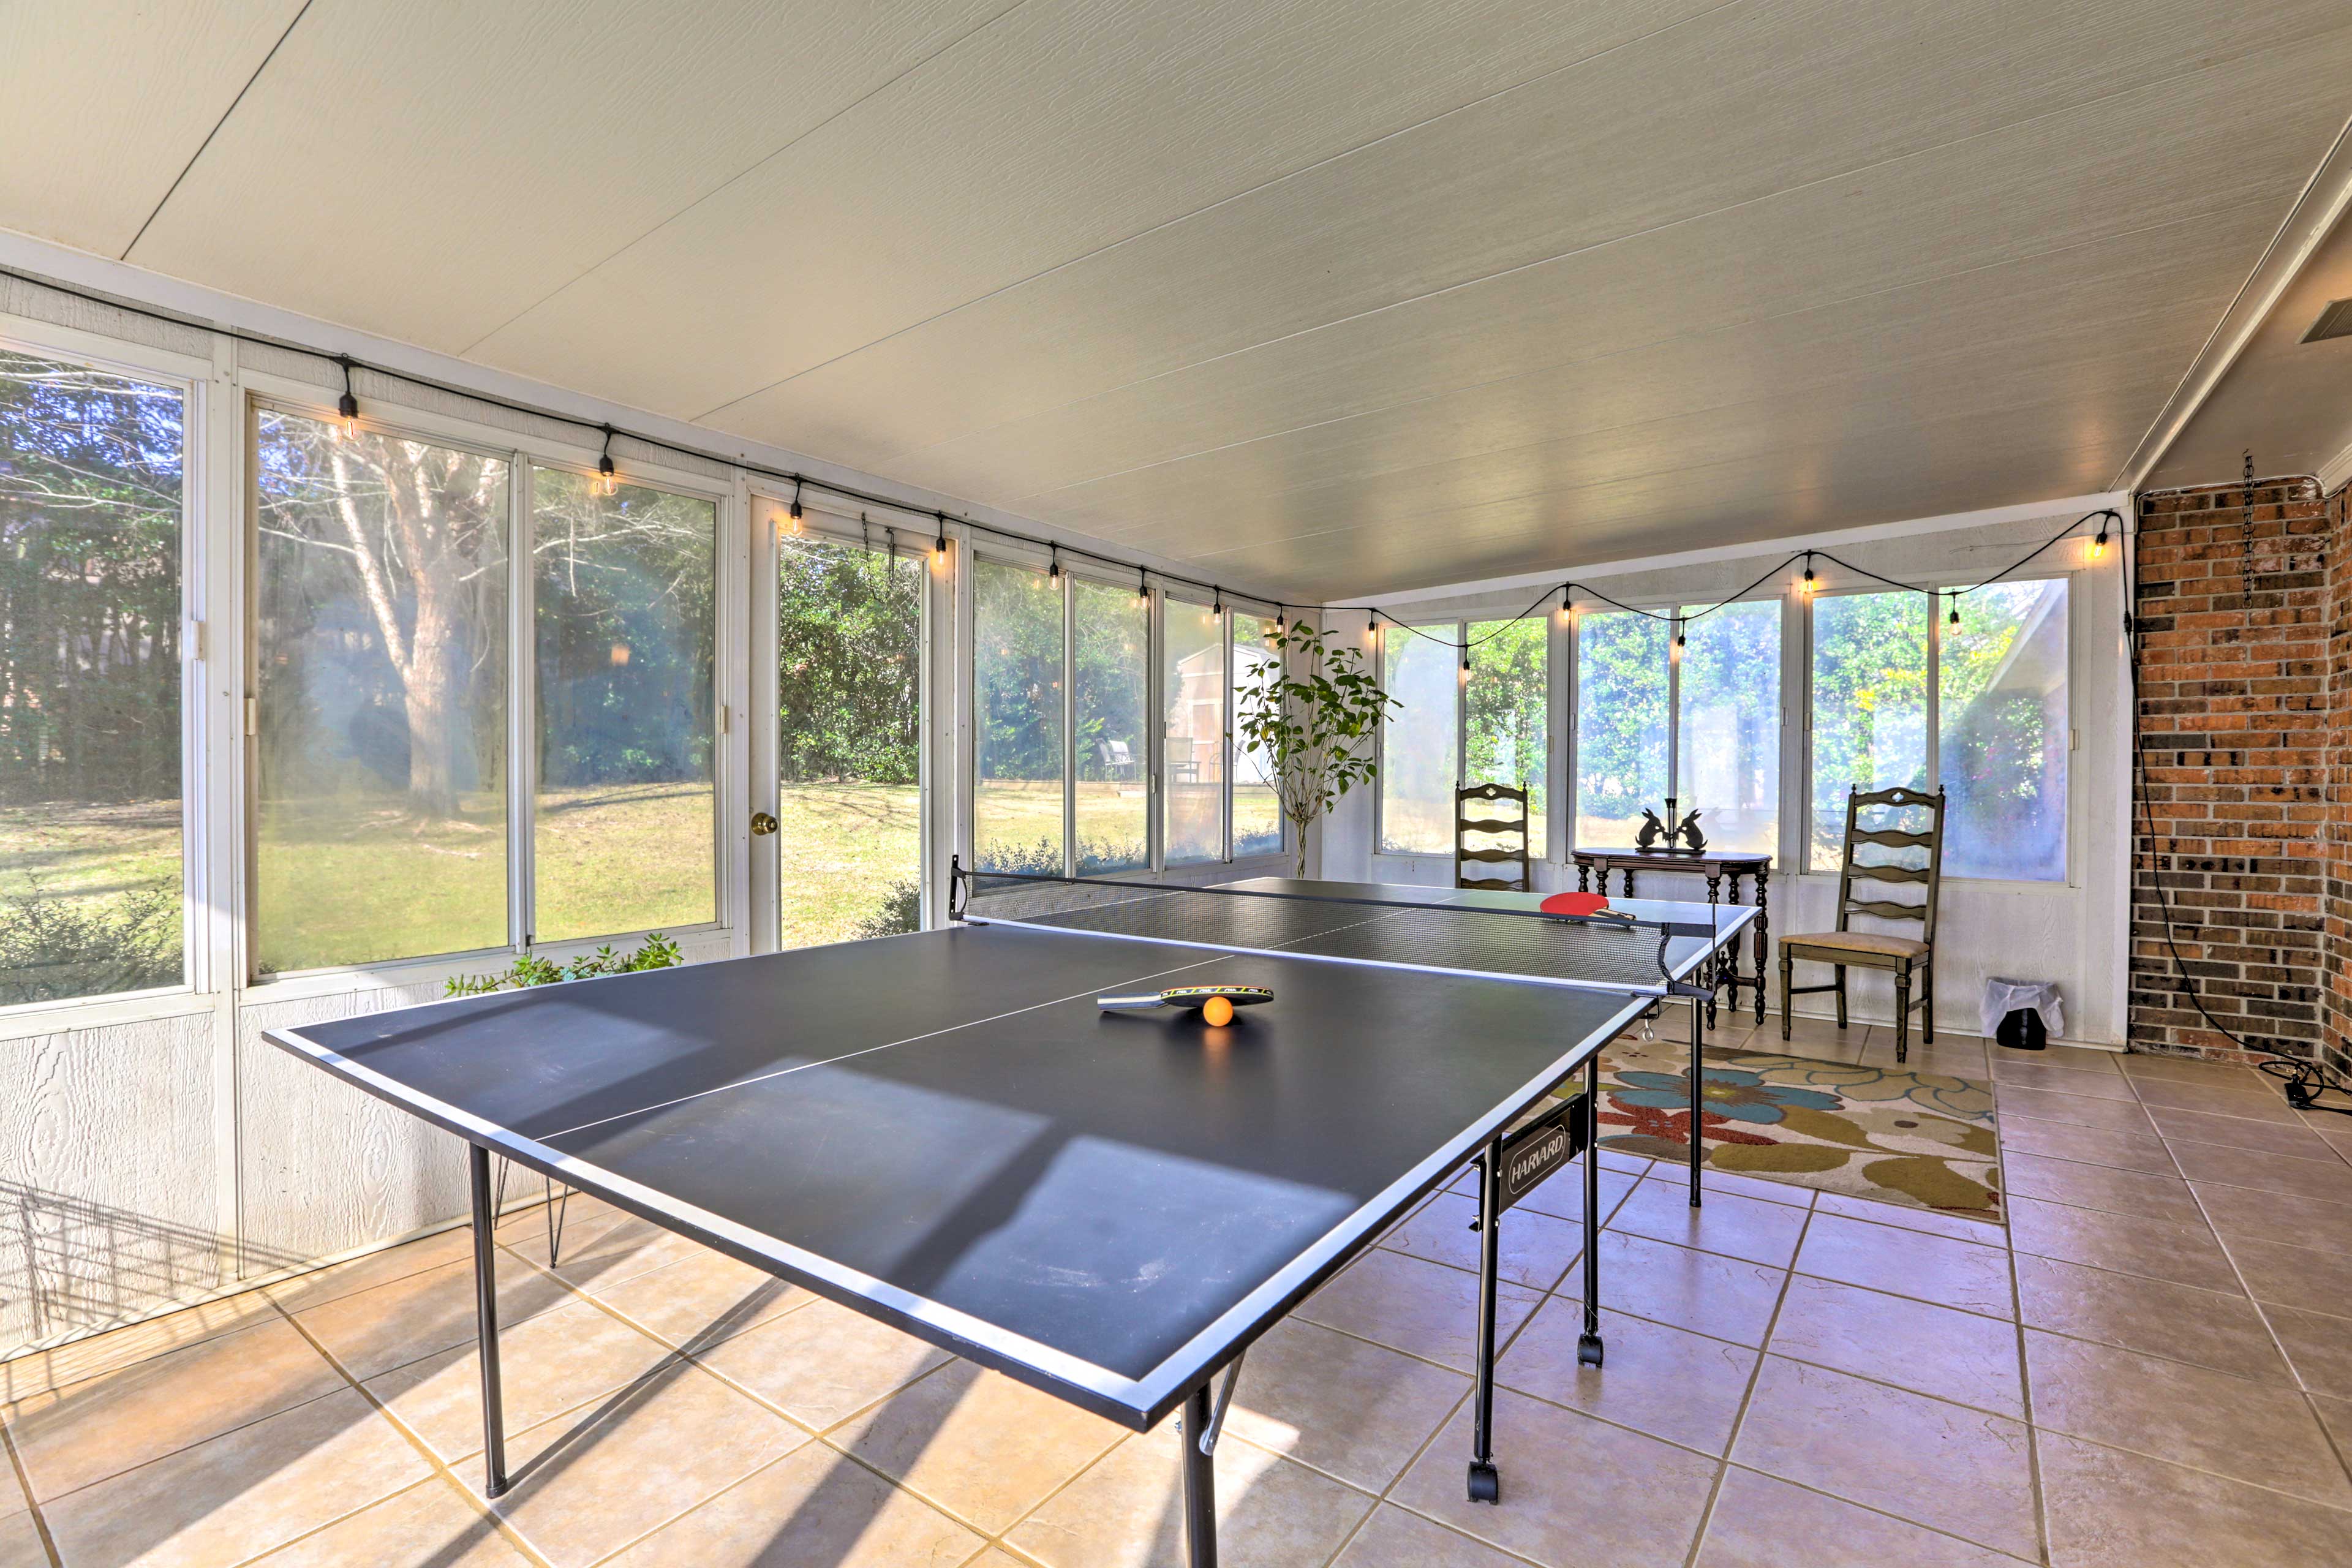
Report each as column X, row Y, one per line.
column 1485, row 1482
column 1588, row 1350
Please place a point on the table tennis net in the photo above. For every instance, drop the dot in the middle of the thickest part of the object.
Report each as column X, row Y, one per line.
column 1441, row 937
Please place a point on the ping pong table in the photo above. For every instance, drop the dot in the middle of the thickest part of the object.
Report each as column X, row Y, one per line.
column 944, row 1131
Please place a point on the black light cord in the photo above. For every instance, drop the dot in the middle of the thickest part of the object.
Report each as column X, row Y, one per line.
column 492, row 400
column 1570, row 588
column 2306, row 1080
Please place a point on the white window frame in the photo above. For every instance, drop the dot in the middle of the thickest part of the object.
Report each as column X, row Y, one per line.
column 729, row 674
column 825, row 518
column 202, row 931
column 1938, row 607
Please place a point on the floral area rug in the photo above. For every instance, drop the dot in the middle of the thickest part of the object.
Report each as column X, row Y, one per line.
column 1912, row 1138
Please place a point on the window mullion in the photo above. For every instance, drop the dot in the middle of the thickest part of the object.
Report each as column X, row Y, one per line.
column 1069, row 727
column 522, row 702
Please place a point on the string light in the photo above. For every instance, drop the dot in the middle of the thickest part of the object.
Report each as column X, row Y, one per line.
column 796, row 506
column 1142, row 590
column 1682, row 637
column 607, row 480
column 1956, row 609
column 1563, row 602
column 347, row 406
column 2099, row 545
column 1465, row 661
column 1372, row 627
column 940, row 546
column 1218, row 595
column 1281, row 621
column 1052, row 562
column 1807, row 588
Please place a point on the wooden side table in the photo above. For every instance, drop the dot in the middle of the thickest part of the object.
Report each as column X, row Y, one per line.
column 1717, row 865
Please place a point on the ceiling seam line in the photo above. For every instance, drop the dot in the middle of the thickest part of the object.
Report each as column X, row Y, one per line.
column 1264, row 184
column 748, row 170
column 202, row 147
column 1631, row 349
column 2149, row 85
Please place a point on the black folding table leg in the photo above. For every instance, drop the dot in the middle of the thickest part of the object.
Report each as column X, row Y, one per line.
column 1588, row 1345
column 1485, row 1483
column 1697, row 1076
column 486, row 1319
column 1199, row 1483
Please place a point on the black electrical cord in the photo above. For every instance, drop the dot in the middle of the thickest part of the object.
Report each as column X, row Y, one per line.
column 2306, row 1080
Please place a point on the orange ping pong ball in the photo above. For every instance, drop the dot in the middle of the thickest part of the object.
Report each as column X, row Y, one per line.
column 1217, row 1011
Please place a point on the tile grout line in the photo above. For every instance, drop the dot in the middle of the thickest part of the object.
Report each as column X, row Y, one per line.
column 32, row 1503
column 1746, row 1394
column 438, row 1468
column 2041, row 1498
column 2270, row 1328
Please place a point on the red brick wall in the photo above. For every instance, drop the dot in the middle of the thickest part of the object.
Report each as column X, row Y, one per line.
column 2241, row 731
column 2338, row 897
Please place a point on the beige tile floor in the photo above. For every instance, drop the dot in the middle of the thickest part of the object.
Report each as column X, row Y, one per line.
column 2151, row 1365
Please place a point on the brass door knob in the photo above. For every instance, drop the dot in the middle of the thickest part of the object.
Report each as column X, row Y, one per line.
column 762, row 824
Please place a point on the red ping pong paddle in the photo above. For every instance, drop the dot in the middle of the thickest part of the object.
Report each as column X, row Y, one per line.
column 1584, row 905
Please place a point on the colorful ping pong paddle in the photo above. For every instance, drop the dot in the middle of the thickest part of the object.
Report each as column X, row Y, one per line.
column 1208, row 998
column 1584, row 904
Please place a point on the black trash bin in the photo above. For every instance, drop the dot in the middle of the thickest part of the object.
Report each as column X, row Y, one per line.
column 2020, row 1030
column 2021, row 1014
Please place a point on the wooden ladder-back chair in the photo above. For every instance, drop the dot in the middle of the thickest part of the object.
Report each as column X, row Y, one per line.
column 1511, row 833
column 1906, row 957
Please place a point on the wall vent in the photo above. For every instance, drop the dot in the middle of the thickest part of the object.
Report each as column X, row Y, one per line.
column 2336, row 322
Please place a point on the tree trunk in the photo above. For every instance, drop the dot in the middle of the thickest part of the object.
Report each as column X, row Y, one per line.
column 439, row 736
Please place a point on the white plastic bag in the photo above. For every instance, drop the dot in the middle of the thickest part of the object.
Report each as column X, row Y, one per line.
column 2003, row 997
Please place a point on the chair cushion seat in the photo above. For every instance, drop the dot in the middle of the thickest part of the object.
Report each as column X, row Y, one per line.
column 1861, row 941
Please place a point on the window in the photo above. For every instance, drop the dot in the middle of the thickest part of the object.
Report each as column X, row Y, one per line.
column 2002, row 733
column 379, row 634
column 1485, row 722
column 1727, row 729
column 1505, row 700
column 1870, row 705
column 1697, row 722
column 1419, row 741
column 626, row 808
column 1112, row 795
column 1193, row 693
column 1900, row 697
column 90, row 528
column 849, row 654
column 1257, row 805
column 1622, row 673
column 1016, row 676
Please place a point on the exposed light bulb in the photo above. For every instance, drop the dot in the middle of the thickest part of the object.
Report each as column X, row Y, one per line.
column 796, row 506
column 1955, row 610
column 607, row 481
column 2099, row 545
column 347, row 417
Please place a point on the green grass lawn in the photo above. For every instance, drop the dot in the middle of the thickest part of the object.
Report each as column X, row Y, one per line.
column 344, row 881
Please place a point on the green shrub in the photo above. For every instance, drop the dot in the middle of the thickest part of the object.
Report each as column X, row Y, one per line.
column 657, row 953
column 53, row 948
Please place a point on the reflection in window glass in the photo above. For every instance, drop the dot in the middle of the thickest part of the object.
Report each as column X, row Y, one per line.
column 1257, row 806
column 627, row 811
column 1114, row 795
column 1504, row 703
column 1620, row 725
column 1193, row 690
column 1728, row 737
column 381, row 634
column 2002, row 733
column 90, row 683
column 849, row 638
column 1417, row 740
column 1016, row 647
column 1869, row 706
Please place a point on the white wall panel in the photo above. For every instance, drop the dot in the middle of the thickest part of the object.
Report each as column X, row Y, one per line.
column 108, row 1200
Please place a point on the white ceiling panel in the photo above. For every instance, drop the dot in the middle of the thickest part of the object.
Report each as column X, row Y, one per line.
column 103, row 102
column 2289, row 401
column 1068, row 126
column 1324, row 295
column 429, row 170
column 1149, row 363
column 2071, row 180
column 1902, row 357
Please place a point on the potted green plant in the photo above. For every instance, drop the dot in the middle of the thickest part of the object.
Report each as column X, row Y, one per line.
column 1312, row 713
